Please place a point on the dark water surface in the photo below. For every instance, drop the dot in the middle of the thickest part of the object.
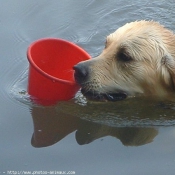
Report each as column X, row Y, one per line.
column 132, row 137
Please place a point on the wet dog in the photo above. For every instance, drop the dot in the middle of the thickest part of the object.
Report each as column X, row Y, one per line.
column 138, row 59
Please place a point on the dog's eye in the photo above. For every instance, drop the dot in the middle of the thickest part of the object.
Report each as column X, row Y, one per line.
column 124, row 57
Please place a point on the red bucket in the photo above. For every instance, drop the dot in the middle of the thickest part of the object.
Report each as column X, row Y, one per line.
column 51, row 77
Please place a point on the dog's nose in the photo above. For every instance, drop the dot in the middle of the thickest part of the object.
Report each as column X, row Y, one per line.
column 81, row 72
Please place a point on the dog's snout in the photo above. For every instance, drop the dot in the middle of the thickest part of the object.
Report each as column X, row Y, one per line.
column 81, row 72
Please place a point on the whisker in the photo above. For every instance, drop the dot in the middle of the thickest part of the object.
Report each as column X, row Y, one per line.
column 69, row 70
column 87, row 82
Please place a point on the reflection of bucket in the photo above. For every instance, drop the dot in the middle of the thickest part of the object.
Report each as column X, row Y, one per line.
column 50, row 73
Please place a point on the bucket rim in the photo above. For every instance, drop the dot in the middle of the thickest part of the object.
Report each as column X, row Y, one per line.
column 37, row 68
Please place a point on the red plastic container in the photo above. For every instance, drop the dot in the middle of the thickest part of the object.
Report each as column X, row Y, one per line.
column 50, row 72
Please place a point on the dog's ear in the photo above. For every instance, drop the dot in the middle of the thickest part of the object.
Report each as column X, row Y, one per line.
column 169, row 63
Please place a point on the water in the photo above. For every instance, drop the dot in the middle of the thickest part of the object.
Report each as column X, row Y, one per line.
column 131, row 137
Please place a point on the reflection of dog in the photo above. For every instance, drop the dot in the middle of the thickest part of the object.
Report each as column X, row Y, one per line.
column 51, row 126
column 129, row 136
column 138, row 58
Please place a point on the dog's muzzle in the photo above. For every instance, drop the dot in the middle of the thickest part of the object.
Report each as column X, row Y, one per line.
column 81, row 76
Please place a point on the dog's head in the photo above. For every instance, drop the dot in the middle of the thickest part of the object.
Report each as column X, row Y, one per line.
column 138, row 58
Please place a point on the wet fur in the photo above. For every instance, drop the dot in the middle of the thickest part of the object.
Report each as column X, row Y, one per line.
column 150, row 68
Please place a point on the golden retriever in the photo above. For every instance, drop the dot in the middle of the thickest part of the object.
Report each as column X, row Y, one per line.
column 138, row 59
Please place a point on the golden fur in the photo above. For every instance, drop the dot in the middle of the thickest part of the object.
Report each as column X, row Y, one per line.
column 138, row 58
